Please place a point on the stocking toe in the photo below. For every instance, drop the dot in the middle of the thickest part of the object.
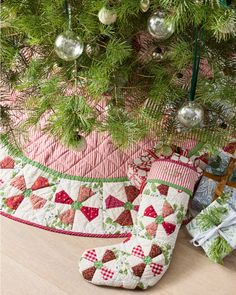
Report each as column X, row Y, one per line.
column 99, row 266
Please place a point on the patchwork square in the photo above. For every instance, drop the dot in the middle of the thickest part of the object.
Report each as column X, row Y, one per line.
column 84, row 200
column 121, row 203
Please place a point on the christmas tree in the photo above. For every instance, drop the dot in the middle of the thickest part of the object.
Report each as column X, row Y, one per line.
column 166, row 68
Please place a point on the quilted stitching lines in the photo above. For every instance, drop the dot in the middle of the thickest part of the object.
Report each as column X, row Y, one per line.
column 89, row 212
column 98, row 265
column 125, row 202
column 24, row 192
column 36, row 195
column 139, row 269
column 160, row 219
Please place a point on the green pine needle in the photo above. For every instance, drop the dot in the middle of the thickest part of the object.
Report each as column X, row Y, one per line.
column 211, row 217
column 219, row 249
column 118, row 70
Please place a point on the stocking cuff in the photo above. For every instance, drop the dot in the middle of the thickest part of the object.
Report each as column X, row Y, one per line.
column 178, row 172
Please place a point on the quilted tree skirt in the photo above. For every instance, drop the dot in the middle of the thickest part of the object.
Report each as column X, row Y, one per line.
column 42, row 187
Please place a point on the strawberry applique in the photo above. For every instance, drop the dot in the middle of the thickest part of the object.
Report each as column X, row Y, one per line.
column 20, row 183
column 7, row 163
column 160, row 219
column 139, row 268
column 125, row 217
column 84, row 193
column 98, row 265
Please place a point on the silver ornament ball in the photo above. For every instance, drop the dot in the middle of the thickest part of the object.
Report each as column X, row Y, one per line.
column 68, row 46
column 158, row 28
column 107, row 16
column 191, row 114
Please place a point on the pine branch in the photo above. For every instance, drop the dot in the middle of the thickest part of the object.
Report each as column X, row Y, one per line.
column 211, row 217
column 124, row 130
column 124, row 67
column 219, row 249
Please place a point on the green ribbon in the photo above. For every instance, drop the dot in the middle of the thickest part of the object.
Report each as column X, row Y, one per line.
column 67, row 6
column 225, row 3
column 196, row 64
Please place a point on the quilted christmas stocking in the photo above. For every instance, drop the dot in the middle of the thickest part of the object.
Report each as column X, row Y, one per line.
column 142, row 260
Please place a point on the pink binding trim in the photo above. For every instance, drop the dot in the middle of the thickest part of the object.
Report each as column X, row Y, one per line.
column 179, row 163
column 142, row 186
column 175, row 173
column 65, row 232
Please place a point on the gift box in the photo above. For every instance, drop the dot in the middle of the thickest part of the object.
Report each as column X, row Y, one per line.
column 219, row 176
column 214, row 229
column 138, row 169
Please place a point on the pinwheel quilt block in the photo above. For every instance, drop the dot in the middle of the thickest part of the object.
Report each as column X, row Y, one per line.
column 121, row 206
column 8, row 167
column 97, row 266
column 79, row 206
column 27, row 193
column 149, row 264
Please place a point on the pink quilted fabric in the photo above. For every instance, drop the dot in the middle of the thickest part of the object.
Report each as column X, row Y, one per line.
column 101, row 159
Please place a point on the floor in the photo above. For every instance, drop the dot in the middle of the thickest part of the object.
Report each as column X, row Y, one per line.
column 38, row 262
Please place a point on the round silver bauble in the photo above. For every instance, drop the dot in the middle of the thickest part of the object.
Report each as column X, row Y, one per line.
column 107, row 16
column 191, row 114
column 68, row 46
column 157, row 54
column 158, row 28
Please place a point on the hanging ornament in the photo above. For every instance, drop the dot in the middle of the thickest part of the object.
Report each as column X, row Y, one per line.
column 68, row 46
column 191, row 114
column 92, row 50
column 157, row 54
column 225, row 3
column 158, row 28
column 107, row 16
column 144, row 5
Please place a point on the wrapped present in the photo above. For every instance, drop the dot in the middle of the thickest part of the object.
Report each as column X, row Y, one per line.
column 219, row 176
column 214, row 229
column 138, row 169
